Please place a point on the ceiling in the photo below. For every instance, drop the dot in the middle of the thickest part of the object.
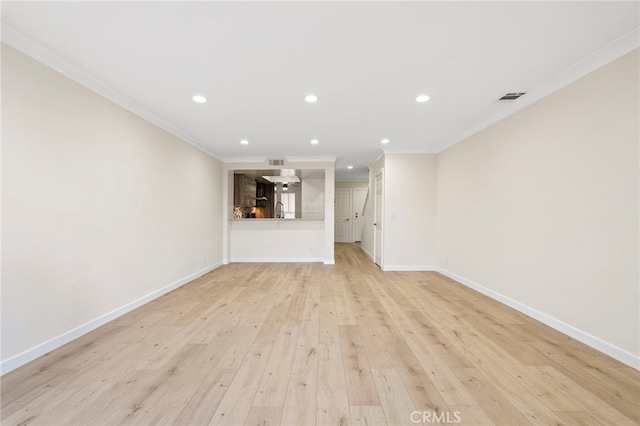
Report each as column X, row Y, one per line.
column 366, row 61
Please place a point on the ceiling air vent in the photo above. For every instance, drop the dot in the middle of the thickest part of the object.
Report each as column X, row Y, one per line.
column 276, row 162
column 510, row 97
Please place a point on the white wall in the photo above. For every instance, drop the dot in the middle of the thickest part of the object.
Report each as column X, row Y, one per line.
column 543, row 208
column 313, row 198
column 99, row 209
column 409, row 221
column 410, row 212
column 268, row 240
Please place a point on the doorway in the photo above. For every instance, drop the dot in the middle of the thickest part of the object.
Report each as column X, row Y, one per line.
column 342, row 228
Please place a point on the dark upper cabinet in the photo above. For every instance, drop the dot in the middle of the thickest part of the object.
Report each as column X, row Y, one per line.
column 265, row 190
column 247, row 193
column 244, row 191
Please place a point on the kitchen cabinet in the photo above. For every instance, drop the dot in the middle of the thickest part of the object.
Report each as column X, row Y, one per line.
column 265, row 190
column 244, row 191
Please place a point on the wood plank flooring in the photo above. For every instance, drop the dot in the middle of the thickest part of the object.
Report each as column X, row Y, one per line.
column 305, row 344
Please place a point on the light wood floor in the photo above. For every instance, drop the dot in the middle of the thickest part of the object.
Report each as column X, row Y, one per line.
column 304, row 344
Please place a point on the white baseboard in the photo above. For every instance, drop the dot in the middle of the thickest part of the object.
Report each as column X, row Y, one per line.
column 369, row 255
column 329, row 261
column 613, row 351
column 48, row 346
column 276, row 259
column 422, row 268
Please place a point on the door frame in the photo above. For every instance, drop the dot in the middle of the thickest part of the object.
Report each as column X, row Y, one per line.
column 378, row 221
column 349, row 215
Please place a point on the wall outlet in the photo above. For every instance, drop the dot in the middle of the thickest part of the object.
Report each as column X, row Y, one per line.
column 204, row 258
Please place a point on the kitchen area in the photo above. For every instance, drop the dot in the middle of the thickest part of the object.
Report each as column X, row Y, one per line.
column 280, row 214
column 278, row 194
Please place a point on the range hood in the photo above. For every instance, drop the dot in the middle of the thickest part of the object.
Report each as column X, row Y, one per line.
column 281, row 179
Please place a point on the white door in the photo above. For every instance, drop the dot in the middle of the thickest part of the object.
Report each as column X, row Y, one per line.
column 377, row 218
column 342, row 212
column 359, row 195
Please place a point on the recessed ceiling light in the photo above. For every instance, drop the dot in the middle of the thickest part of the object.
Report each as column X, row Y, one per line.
column 311, row 98
column 199, row 99
column 384, row 141
column 244, row 142
column 422, row 98
column 314, row 142
column 349, row 167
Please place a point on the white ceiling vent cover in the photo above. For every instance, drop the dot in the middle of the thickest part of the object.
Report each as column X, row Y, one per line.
column 276, row 162
column 510, row 97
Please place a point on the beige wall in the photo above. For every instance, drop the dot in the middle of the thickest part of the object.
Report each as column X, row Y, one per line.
column 542, row 208
column 99, row 207
column 410, row 211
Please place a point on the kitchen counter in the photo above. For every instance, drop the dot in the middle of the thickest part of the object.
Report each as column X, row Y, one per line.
column 276, row 240
column 273, row 219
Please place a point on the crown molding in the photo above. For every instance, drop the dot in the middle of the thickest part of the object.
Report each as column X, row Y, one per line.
column 599, row 58
column 19, row 41
column 375, row 158
column 410, row 151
